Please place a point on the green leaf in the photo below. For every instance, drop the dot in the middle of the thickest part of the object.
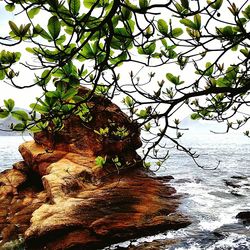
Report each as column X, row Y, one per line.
column 4, row 113
column 235, row 48
column 231, row 73
column 241, row 21
column 216, row 3
column 9, row 104
column 128, row 101
column 172, row 54
column 70, row 94
column 171, row 78
column 54, row 27
column 89, row 3
column 164, row 43
column 39, row 108
column 195, row 116
column 100, row 161
column 143, row 4
column 163, row 27
column 14, row 28
column 209, row 69
column 61, row 39
column 119, row 59
column 74, row 6
column 143, row 114
column 188, row 23
column 33, row 12
column 197, row 21
column 245, row 52
column 146, row 164
column 131, row 24
column 40, row 126
column 222, row 82
column 174, row 79
column 185, row 3
column 147, row 126
column 46, row 76
column 126, row 13
column 40, row 31
column 10, row 7
column 87, row 52
column 246, row 12
column 176, row 32
column 20, row 115
column 78, row 98
column 19, row 127
column 148, row 49
column 25, row 29
column 2, row 74
column 53, row 94
column 228, row 31
column 35, row 129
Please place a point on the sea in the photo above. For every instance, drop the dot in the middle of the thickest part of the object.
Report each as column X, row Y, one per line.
column 211, row 198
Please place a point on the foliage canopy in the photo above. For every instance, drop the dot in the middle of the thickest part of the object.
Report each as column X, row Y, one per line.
column 91, row 42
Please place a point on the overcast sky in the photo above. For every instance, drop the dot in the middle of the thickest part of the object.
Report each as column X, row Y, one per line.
column 22, row 97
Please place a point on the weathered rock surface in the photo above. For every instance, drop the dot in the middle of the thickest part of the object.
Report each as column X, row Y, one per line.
column 20, row 195
column 58, row 198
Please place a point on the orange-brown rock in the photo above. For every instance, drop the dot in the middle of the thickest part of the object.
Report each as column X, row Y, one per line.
column 83, row 206
column 58, row 198
column 19, row 197
column 78, row 135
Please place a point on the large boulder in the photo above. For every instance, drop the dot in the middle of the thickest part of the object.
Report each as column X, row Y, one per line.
column 78, row 135
column 59, row 198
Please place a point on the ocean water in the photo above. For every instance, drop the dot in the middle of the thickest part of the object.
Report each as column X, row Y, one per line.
column 212, row 198
column 9, row 153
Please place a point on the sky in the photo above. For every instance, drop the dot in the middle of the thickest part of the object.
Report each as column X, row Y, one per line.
column 25, row 96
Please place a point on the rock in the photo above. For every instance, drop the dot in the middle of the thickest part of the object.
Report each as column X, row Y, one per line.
column 96, row 211
column 78, row 135
column 17, row 202
column 239, row 177
column 58, row 198
column 244, row 217
column 154, row 245
column 232, row 184
column 218, row 234
column 236, row 193
column 235, row 228
column 220, row 194
column 238, row 185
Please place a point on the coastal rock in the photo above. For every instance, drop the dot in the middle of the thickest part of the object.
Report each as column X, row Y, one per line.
column 59, row 198
column 244, row 217
column 238, row 185
column 18, row 200
column 235, row 228
column 154, row 245
column 78, row 135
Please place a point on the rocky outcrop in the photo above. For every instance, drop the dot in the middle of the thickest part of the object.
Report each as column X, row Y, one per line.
column 59, row 198
column 78, row 135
